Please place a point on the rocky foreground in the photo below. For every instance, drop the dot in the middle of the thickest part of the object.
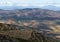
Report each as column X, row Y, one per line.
column 31, row 37
column 12, row 34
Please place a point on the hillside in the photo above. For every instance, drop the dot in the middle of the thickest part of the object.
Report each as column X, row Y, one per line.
column 22, row 23
column 29, row 14
column 23, row 35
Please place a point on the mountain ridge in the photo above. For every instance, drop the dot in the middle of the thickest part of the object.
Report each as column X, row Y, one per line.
column 49, row 7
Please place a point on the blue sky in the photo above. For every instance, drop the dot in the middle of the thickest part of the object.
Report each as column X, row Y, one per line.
column 29, row 2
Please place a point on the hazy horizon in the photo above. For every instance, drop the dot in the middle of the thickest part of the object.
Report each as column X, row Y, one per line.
column 39, row 3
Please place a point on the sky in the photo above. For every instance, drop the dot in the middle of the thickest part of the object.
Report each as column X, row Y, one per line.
column 29, row 3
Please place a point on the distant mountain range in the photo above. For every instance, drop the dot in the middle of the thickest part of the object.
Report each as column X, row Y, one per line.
column 16, row 7
column 29, row 14
column 50, row 7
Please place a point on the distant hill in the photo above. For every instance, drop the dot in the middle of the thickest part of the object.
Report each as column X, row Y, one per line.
column 29, row 14
column 49, row 7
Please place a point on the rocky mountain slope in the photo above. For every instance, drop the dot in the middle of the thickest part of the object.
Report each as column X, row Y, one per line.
column 35, row 37
column 23, row 35
column 30, row 24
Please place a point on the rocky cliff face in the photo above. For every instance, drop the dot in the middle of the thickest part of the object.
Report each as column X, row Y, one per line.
column 22, row 35
column 35, row 37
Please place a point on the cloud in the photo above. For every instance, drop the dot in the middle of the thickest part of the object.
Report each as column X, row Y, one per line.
column 57, row 5
column 9, row 4
column 27, row 4
column 23, row 4
column 6, row 4
column 39, row 3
